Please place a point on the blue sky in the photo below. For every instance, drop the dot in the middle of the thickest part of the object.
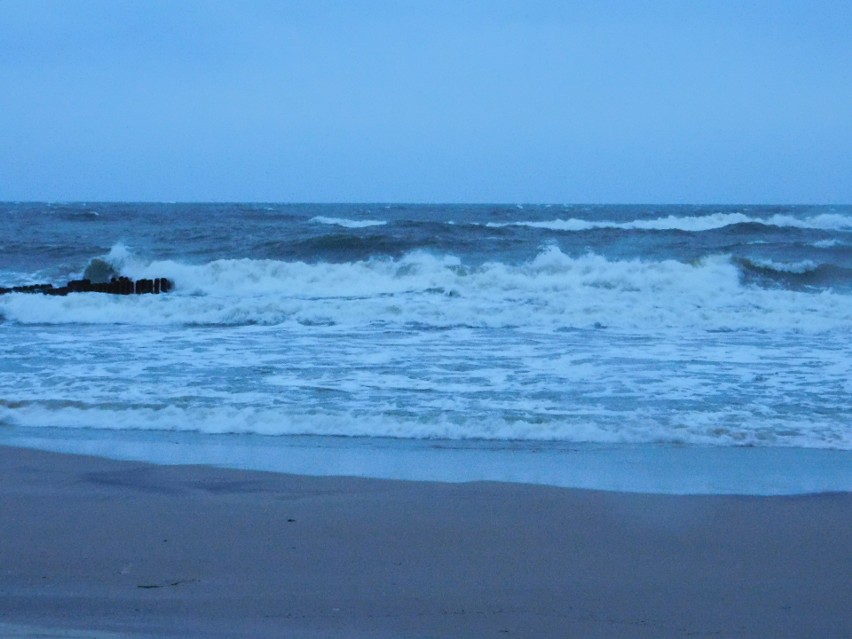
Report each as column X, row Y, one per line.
column 334, row 101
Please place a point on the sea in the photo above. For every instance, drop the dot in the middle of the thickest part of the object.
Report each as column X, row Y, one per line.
column 675, row 349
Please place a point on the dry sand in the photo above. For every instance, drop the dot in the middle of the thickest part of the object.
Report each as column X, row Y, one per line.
column 184, row 551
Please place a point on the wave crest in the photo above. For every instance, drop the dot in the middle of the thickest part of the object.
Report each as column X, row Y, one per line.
column 347, row 223
column 550, row 292
column 698, row 223
column 703, row 428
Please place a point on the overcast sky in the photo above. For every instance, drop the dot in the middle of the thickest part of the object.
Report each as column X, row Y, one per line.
column 458, row 101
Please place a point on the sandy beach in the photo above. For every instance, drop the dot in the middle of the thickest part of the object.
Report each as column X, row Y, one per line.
column 90, row 545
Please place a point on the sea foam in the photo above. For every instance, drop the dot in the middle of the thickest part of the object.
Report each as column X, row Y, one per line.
column 550, row 292
column 823, row 221
column 697, row 429
column 728, row 329
column 347, row 223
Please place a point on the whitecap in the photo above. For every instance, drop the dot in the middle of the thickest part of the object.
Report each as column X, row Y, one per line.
column 825, row 221
column 347, row 223
column 553, row 291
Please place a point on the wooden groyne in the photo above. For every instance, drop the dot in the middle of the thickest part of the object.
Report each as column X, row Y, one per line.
column 116, row 286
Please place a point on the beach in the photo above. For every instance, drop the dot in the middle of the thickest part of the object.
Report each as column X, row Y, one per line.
column 139, row 550
column 408, row 320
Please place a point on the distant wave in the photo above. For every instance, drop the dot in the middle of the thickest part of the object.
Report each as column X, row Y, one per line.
column 799, row 268
column 824, row 221
column 553, row 291
column 825, row 244
column 795, row 275
column 76, row 215
column 350, row 224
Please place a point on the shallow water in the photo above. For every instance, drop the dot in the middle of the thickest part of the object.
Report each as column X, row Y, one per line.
column 644, row 468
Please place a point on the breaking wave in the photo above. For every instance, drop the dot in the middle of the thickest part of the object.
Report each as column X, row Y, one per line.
column 346, row 223
column 804, row 275
column 698, row 428
column 823, row 221
column 553, row 291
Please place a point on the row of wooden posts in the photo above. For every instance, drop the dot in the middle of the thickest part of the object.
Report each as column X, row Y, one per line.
column 116, row 286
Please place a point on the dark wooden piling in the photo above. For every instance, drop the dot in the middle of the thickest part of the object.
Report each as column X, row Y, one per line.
column 116, row 286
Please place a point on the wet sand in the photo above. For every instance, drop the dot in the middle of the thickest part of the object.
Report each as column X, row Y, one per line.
column 89, row 544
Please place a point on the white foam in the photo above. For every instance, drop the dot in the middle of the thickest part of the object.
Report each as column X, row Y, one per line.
column 552, row 291
column 347, row 223
column 824, row 221
column 123, row 260
column 826, row 243
column 804, row 266
column 695, row 428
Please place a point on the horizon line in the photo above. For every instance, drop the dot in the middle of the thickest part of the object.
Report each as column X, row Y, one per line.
column 414, row 203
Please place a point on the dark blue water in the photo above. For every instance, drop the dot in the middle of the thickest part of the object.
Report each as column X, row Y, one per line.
column 61, row 238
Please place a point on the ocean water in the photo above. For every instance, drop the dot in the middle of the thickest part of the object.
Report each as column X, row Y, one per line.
column 527, row 329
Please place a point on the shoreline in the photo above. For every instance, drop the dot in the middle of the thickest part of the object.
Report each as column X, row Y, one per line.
column 636, row 468
column 142, row 550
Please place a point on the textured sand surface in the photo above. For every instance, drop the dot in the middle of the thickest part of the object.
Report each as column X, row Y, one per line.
column 186, row 551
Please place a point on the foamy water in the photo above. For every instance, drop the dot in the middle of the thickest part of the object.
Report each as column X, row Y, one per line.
column 609, row 325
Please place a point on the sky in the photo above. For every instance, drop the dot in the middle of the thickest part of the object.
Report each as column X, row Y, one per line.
column 679, row 101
